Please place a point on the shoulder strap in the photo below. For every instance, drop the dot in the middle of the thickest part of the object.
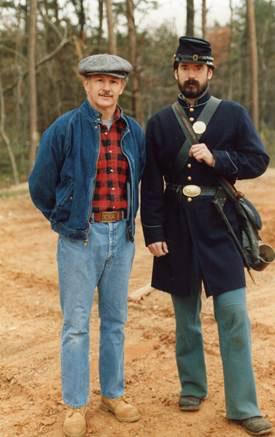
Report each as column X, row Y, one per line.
column 209, row 110
column 190, row 136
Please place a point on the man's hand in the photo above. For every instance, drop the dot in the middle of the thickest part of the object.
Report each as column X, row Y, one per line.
column 201, row 153
column 158, row 249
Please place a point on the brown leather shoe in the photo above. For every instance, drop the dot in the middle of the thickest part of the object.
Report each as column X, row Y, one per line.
column 121, row 409
column 75, row 422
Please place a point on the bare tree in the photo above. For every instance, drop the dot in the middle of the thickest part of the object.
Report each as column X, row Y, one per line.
column 56, row 10
column 111, row 32
column 252, row 38
column 5, row 136
column 230, row 82
column 48, row 57
column 136, row 97
column 100, row 23
column 265, row 61
column 190, row 18
column 32, row 82
column 203, row 18
column 80, row 12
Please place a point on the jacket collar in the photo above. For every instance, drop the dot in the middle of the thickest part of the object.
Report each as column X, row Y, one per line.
column 202, row 99
column 89, row 111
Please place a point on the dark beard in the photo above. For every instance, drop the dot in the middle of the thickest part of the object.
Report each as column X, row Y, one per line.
column 192, row 88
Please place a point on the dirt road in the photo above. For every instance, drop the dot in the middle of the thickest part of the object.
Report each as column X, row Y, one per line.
column 30, row 321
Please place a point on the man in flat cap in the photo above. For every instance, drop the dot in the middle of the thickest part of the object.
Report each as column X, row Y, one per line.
column 85, row 182
column 187, row 236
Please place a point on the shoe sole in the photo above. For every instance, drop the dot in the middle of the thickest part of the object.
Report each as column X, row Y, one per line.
column 190, row 408
column 75, row 435
column 82, row 434
column 263, row 432
column 119, row 418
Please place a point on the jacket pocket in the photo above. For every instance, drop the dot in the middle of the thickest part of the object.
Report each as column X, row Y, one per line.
column 64, row 198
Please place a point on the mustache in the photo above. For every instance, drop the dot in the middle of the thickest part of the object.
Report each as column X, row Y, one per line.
column 106, row 94
column 190, row 82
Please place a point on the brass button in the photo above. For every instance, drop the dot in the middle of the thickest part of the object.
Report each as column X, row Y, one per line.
column 189, row 199
column 189, row 165
column 191, row 119
column 191, row 109
column 189, row 178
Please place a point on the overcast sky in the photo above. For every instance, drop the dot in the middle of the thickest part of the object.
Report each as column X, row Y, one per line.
column 173, row 12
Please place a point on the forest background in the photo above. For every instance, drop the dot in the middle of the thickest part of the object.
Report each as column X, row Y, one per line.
column 42, row 41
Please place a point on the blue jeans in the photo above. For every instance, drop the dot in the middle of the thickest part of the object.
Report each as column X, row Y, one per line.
column 104, row 262
column 235, row 347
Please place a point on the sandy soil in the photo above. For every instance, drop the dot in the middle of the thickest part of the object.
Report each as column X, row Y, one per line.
column 30, row 321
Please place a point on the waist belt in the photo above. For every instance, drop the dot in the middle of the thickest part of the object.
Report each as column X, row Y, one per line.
column 108, row 216
column 190, row 191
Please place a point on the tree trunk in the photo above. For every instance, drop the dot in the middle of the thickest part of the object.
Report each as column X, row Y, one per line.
column 230, row 70
column 32, row 83
column 203, row 18
column 6, row 138
column 136, row 95
column 254, row 93
column 82, row 20
column 264, row 65
column 190, row 18
column 56, row 11
column 111, row 34
column 100, row 24
column 80, row 12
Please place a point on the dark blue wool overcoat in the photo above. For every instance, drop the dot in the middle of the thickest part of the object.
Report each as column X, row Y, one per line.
column 200, row 248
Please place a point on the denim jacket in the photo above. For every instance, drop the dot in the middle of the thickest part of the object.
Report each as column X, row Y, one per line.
column 63, row 179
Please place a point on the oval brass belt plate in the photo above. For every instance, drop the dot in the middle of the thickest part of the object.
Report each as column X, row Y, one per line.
column 191, row 190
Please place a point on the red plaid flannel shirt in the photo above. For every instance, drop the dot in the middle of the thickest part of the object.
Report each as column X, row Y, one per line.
column 112, row 169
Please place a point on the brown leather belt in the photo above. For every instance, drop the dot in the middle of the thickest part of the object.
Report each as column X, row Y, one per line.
column 108, row 216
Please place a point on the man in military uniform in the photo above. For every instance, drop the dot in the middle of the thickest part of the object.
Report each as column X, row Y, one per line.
column 188, row 238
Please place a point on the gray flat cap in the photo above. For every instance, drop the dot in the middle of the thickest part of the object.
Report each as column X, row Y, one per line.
column 111, row 65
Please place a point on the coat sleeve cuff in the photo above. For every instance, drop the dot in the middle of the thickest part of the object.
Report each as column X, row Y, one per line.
column 224, row 165
column 153, row 234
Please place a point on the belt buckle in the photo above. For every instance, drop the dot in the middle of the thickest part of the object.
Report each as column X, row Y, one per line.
column 191, row 190
column 109, row 216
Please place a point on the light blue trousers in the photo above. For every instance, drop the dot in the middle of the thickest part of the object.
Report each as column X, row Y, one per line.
column 235, row 346
column 105, row 262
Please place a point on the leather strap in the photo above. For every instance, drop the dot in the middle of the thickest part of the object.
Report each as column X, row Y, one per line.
column 190, row 136
column 205, row 191
column 108, row 216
